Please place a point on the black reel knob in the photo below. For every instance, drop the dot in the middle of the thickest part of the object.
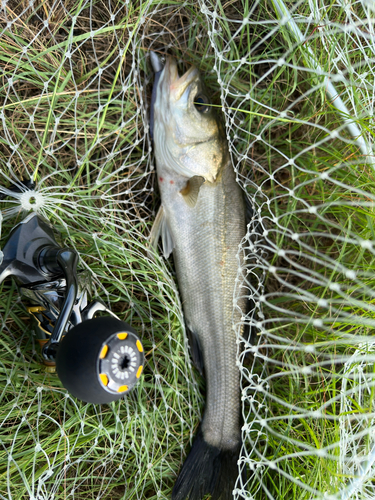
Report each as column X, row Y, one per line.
column 100, row 360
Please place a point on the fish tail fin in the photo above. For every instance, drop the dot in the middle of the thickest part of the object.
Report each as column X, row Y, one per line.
column 207, row 469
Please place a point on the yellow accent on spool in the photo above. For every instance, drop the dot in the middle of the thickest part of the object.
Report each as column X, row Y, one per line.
column 139, row 371
column 104, row 378
column 43, row 329
column 122, row 336
column 103, row 352
column 123, row 388
column 36, row 309
column 140, row 346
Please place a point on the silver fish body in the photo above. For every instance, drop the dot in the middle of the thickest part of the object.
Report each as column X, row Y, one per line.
column 203, row 221
column 206, row 239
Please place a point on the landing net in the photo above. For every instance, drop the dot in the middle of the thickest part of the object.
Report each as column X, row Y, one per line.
column 295, row 84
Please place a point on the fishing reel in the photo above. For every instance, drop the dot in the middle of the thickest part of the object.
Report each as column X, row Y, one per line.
column 97, row 358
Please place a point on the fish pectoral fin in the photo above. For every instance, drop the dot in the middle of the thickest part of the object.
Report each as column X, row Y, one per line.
column 195, row 350
column 161, row 228
column 191, row 190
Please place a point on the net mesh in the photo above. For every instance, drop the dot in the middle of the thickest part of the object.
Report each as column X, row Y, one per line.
column 295, row 84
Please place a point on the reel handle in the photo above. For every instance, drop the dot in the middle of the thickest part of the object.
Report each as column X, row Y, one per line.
column 31, row 256
column 55, row 260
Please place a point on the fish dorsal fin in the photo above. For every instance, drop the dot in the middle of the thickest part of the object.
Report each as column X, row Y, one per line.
column 161, row 228
column 191, row 190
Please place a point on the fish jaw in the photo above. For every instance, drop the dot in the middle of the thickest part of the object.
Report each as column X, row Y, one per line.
column 186, row 142
column 178, row 85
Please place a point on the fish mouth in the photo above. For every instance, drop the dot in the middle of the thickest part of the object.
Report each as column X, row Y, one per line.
column 171, row 82
column 177, row 84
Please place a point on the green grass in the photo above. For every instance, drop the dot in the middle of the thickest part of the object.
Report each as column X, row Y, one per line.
column 88, row 151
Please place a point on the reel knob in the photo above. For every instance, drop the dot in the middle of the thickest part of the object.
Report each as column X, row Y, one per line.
column 100, row 360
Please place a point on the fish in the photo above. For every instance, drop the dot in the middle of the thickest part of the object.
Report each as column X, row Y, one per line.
column 201, row 220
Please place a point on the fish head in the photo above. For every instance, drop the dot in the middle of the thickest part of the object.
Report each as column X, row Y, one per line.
column 188, row 136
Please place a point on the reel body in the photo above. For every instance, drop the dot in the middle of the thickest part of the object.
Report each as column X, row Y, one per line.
column 98, row 359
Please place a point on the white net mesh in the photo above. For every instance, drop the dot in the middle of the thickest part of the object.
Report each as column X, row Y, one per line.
column 296, row 87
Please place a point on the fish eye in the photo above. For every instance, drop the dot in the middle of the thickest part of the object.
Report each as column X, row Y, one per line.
column 200, row 102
